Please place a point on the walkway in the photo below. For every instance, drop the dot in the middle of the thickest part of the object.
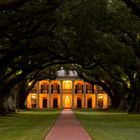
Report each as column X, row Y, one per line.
column 67, row 127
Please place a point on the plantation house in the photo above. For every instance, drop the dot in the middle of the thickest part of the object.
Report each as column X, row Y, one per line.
column 67, row 91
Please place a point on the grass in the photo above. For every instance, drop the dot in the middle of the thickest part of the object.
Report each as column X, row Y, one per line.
column 27, row 125
column 110, row 125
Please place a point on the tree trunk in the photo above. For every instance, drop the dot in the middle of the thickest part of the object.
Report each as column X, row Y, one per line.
column 3, row 106
column 11, row 103
column 21, row 99
column 23, row 92
column 131, row 103
column 7, row 105
column 115, row 101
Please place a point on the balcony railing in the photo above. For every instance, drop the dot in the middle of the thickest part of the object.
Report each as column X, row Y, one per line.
column 44, row 91
column 67, row 90
column 64, row 91
column 89, row 91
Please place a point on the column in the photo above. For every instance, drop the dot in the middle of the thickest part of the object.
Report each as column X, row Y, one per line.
column 108, row 101
column 49, row 102
column 61, row 94
column 96, row 96
column 72, row 94
column 30, row 101
column 85, row 95
column 38, row 93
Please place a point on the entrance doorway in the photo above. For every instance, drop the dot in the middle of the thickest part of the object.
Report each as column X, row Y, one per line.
column 67, row 102
column 44, row 102
column 33, row 101
column 79, row 103
column 55, row 103
column 89, row 103
column 100, row 101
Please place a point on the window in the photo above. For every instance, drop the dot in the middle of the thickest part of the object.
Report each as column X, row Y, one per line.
column 89, row 88
column 67, row 85
column 79, row 88
column 44, row 88
column 55, row 88
column 67, row 72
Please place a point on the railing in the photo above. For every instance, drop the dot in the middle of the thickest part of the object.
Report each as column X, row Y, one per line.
column 64, row 91
column 67, row 90
column 55, row 91
column 78, row 91
column 89, row 91
column 44, row 91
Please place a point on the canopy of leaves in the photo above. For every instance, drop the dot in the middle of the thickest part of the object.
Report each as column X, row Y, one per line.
column 99, row 38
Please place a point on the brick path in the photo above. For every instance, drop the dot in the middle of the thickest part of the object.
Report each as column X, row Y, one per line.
column 67, row 127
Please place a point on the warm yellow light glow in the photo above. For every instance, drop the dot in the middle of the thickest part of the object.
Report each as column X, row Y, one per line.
column 100, row 97
column 67, row 82
column 33, row 96
column 29, row 84
column 67, row 97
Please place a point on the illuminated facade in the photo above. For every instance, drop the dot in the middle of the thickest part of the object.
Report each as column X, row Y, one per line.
column 67, row 91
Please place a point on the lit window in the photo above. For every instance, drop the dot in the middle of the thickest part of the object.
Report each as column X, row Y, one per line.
column 44, row 88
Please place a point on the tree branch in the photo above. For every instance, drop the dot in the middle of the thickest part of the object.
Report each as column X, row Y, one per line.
column 11, row 4
column 133, row 7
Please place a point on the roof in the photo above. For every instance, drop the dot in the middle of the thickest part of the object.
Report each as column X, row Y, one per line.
column 67, row 75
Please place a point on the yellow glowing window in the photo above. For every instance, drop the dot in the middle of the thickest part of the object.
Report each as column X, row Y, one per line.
column 67, row 85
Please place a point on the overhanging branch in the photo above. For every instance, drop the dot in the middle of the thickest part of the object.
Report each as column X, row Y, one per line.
column 11, row 4
column 133, row 6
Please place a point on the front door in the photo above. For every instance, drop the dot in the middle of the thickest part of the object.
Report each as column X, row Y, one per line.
column 89, row 102
column 100, row 102
column 44, row 103
column 55, row 103
column 79, row 103
column 33, row 101
column 67, row 102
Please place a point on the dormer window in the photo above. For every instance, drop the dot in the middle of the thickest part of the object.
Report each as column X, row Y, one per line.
column 67, row 72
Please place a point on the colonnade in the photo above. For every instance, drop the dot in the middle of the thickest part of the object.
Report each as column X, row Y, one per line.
column 72, row 95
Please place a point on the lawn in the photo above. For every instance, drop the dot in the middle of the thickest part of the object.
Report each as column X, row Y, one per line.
column 27, row 125
column 110, row 126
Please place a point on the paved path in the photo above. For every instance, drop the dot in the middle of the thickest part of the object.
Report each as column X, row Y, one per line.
column 67, row 127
